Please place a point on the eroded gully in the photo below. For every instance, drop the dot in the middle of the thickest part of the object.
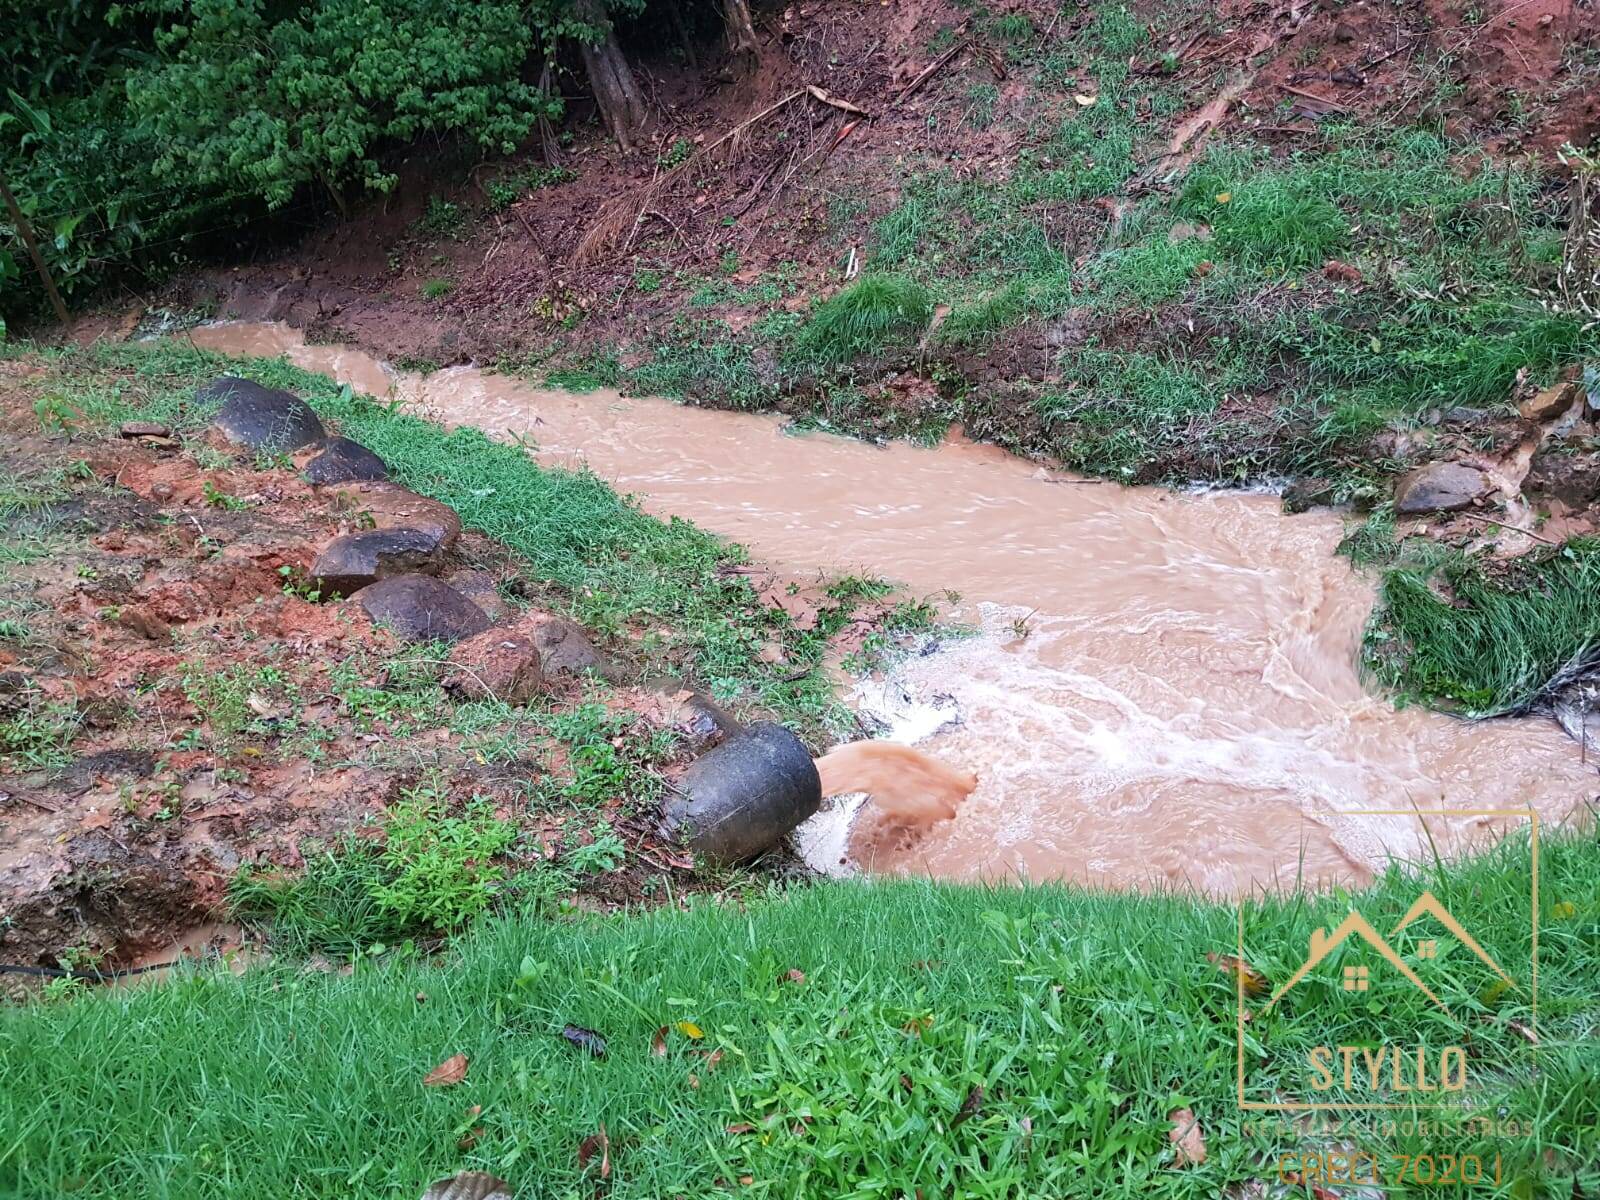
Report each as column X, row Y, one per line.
column 1165, row 689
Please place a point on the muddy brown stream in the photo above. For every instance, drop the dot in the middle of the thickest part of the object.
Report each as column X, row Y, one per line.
column 1164, row 689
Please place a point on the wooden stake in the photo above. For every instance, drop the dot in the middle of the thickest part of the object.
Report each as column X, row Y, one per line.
column 25, row 231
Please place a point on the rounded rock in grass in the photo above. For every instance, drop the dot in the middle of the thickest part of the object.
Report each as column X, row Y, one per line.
column 341, row 460
column 355, row 560
column 1439, row 487
column 261, row 418
column 564, row 645
column 419, row 608
column 739, row 800
column 495, row 665
column 379, row 505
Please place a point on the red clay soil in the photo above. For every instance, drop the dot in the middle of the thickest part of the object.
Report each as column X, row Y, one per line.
column 150, row 579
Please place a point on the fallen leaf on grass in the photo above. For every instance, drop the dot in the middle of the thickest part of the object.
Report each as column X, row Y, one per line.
column 1188, row 1145
column 448, row 1073
column 1318, row 1192
column 1525, row 1031
column 1083, row 100
column 713, row 1059
column 469, row 1185
column 690, row 1030
column 1253, row 981
column 658, row 1043
column 1564, row 911
column 584, row 1039
column 741, row 1127
column 596, row 1143
column 969, row 1106
column 694, row 1081
column 471, row 1136
column 792, row 976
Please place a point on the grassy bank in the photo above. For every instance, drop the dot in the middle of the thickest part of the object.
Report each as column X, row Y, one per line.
column 1481, row 637
column 668, row 587
column 1281, row 306
column 840, row 1040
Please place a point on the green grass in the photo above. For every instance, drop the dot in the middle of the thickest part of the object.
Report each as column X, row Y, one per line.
column 1447, row 633
column 870, row 316
column 1085, row 1018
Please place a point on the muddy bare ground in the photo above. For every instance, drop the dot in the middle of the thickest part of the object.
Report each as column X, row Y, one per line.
column 179, row 702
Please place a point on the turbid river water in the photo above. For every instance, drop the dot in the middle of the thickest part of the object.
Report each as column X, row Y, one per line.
column 1165, row 686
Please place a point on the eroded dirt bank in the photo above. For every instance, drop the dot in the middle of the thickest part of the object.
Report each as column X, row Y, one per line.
column 1164, row 688
column 195, row 687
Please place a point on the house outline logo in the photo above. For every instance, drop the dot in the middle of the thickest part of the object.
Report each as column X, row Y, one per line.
column 1312, row 1098
column 1427, row 904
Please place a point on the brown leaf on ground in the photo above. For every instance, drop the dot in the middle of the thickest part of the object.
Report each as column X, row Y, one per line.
column 1188, row 1146
column 713, row 1059
column 1255, row 983
column 658, row 1043
column 448, row 1073
column 469, row 1185
column 792, row 976
column 741, row 1127
column 596, row 1143
column 694, row 1081
column 969, row 1106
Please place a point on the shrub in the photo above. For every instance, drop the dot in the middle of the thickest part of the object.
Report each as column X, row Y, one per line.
column 189, row 120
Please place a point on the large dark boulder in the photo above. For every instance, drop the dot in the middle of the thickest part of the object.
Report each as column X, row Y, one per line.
column 344, row 461
column 260, row 418
column 355, row 560
column 419, row 608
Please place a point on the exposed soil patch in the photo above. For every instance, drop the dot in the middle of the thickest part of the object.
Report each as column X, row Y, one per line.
column 180, row 701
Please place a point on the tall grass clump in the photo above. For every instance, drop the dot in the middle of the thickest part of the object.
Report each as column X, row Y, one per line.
column 1450, row 634
column 870, row 315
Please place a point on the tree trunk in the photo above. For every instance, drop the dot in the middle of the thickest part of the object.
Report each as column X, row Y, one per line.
column 742, row 44
column 548, row 142
column 615, row 90
column 689, row 57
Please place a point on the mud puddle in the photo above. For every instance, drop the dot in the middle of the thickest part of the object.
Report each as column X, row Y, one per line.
column 1164, row 686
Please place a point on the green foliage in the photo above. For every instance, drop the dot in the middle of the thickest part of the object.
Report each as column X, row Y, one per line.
column 431, row 871
column 199, row 117
column 1084, row 1016
column 981, row 319
column 505, row 190
column 242, row 101
column 1450, row 633
column 1271, row 220
column 871, row 315
column 441, row 219
column 588, row 372
column 35, row 733
column 436, row 289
